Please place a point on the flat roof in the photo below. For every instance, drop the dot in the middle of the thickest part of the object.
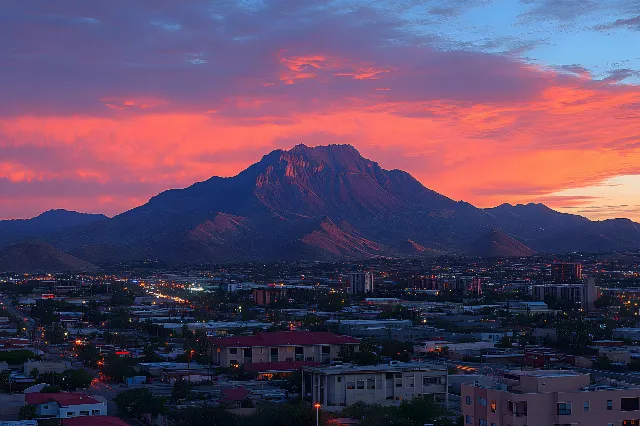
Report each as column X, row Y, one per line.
column 390, row 368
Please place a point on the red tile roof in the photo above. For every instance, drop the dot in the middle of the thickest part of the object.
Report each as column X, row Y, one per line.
column 263, row 367
column 94, row 421
column 234, row 394
column 284, row 338
column 65, row 399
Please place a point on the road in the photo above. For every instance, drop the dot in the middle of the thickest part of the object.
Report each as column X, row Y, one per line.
column 31, row 323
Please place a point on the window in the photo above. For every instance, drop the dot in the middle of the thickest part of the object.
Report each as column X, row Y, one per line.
column 482, row 422
column 564, row 408
column 46, row 407
column 95, row 412
column 274, row 355
column 586, row 406
column 339, row 379
column 629, row 404
column 360, row 383
column 518, row 408
column 233, row 351
column 84, row 412
column 467, row 419
column 494, row 405
column 371, row 383
column 493, row 424
column 468, row 400
column 71, row 413
column 411, row 380
column 426, row 381
column 351, row 385
column 482, row 401
column 609, row 404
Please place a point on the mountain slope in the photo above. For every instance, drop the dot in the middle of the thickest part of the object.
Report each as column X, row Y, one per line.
column 328, row 202
column 34, row 256
column 498, row 244
column 12, row 231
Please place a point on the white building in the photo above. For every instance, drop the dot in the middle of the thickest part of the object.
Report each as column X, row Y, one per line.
column 360, row 282
column 63, row 405
column 342, row 385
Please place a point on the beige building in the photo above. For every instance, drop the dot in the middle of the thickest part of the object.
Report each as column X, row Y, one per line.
column 280, row 347
column 341, row 385
column 547, row 397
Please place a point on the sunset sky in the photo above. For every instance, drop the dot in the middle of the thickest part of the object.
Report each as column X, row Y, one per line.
column 106, row 103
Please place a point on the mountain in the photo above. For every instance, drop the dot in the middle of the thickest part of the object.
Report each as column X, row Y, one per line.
column 13, row 231
column 498, row 244
column 328, row 203
column 34, row 256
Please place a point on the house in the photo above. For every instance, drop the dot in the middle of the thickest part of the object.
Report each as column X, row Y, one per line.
column 64, row 405
column 280, row 346
column 338, row 386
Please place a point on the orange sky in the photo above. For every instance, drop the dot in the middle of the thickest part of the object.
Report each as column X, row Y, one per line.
column 96, row 123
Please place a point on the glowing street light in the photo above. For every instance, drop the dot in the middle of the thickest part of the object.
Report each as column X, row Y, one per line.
column 317, row 407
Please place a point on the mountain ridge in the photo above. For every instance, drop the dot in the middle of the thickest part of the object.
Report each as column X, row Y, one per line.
column 328, row 202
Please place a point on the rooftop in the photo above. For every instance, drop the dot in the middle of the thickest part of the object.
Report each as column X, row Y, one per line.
column 284, row 338
column 65, row 399
column 387, row 368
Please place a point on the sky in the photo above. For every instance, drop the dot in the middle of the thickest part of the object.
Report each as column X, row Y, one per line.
column 106, row 103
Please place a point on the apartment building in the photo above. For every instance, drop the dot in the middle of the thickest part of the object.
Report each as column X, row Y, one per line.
column 341, row 385
column 280, row 346
column 548, row 397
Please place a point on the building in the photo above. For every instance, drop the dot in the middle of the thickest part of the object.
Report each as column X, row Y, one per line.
column 95, row 421
column 566, row 273
column 280, row 346
column 46, row 367
column 64, row 405
column 360, row 282
column 582, row 295
column 548, row 397
column 338, row 386
column 267, row 296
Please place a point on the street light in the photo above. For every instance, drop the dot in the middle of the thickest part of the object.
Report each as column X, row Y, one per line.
column 317, row 407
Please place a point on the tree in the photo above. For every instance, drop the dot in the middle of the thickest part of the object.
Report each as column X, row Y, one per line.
column 135, row 402
column 117, row 368
column 56, row 333
column 204, row 416
column 180, row 390
column 89, row 355
column 602, row 363
column 28, row 412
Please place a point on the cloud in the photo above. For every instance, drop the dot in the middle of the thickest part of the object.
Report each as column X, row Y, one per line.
column 105, row 105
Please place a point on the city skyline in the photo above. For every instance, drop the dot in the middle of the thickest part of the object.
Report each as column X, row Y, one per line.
column 482, row 101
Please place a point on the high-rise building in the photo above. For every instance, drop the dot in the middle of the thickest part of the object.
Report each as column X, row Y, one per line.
column 360, row 282
column 565, row 273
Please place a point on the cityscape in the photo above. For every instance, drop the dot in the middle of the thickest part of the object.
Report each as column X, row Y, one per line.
column 531, row 340
column 319, row 213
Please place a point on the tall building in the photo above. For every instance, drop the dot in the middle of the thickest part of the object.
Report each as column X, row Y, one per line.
column 565, row 273
column 360, row 282
column 548, row 397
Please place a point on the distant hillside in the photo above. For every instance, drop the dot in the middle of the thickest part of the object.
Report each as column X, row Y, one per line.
column 34, row 256
column 498, row 244
column 13, row 231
